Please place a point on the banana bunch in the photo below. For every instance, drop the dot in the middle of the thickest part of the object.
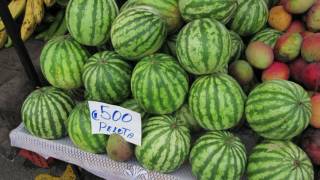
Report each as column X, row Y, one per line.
column 34, row 14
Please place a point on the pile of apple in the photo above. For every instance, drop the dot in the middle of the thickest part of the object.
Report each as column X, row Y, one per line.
column 295, row 57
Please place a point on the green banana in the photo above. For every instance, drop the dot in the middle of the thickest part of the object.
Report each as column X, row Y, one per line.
column 47, row 34
column 62, row 29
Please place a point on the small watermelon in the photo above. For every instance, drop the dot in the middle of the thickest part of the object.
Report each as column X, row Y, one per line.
column 107, row 78
column 238, row 46
column 89, row 22
column 185, row 116
column 268, row 36
column 218, row 155
column 165, row 144
column 216, row 101
column 250, row 18
column 278, row 109
column 204, row 46
column 79, row 130
column 274, row 160
column 159, row 84
column 134, row 106
column 221, row 10
column 138, row 32
column 45, row 112
column 62, row 60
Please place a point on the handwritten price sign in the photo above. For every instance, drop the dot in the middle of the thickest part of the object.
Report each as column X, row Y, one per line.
column 110, row 119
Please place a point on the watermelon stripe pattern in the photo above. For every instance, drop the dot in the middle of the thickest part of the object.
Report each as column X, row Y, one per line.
column 221, row 10
column 238, row 46
column 274, row 160
column 133, row 105
column 89, row 22
column 165, row 144
column 278, row 109
column 250, row 18
column 79, row 129
column 218, row 155
column 159, row 84
column 61, row 61
column 204, row 46
column 45, row 112
column 268, row 36
column 216, row 101
column 137, row 33
column 185, row 116
column 107, row 78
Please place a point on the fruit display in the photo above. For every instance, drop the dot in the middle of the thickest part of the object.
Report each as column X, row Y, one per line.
column 201, row 74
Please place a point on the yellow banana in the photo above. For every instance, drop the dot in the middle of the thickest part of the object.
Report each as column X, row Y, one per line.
column 38, row 10
column 29, row 22
column 3, row 38
column 49, row 3
column 16, row 7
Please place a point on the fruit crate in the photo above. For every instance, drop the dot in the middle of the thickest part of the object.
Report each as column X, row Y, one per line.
column 98, row 164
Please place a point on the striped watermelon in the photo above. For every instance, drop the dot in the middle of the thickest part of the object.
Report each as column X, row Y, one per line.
column 216, row 101
column 204, row 46
column 268, row 36
column 159, row 84
column 107, row 78
column 138, row 32
column 89, row 22
column 133, row 105
column 168, row 10
column 79, row 130
column 62, row 60
column 218, row 155
column 250, row 18
column 185, row 116
column 278, row 109
column 45, row 112
column 274, row 160
column 238, row 46
column 169, row 47
column 221, row 10
column 165, row 144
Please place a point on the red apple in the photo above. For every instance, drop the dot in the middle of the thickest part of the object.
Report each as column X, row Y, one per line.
column 315, row 118
column 296, row 69
column 259, row 55
column 288, row 46
column 311, row 144
column 277, row 70
column 310, row 49
column 296, row 27
column 313, row 18
column 298, row 6
column 311, row 76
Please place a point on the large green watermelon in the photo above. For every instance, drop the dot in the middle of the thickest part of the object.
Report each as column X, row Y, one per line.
column 138, row 32
column 268, row 36
column 237, row 46
column 221, row 10
column 159, row 84
column 185, row 116
column 250, row 18
column 133, row 105
column 168, row 10
column 45, row 112
column 89, row 21
column 218, row 155
column 62, row 60
column 165, row 144
column 216, row 101
column 79, row 130
column 274, row 160
column 204, row 46
column 278, row 109
column 107, row 78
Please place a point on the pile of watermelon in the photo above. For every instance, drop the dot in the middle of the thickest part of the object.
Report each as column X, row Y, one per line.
column 197, row 71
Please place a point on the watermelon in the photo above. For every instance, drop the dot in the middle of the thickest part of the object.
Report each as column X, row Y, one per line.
column 89, row 22
column 216, row 101
column 79, row 130
column 165, row 144
column 138, row 32
column 204, row 46
column 218, row 155
column 274, row 160
column 278, row 109
column 238, row 46
column 268, row 36
column 159, row 84
column 221, row 10
column 167, row 9
column 45, row 112
column 134, row 106
column 169, row 47
column 185, row 116
column 107, row 78
column 250, row 18
column 62, row 60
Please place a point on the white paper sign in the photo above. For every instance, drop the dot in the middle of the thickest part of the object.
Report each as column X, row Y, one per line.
column 110, row 119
